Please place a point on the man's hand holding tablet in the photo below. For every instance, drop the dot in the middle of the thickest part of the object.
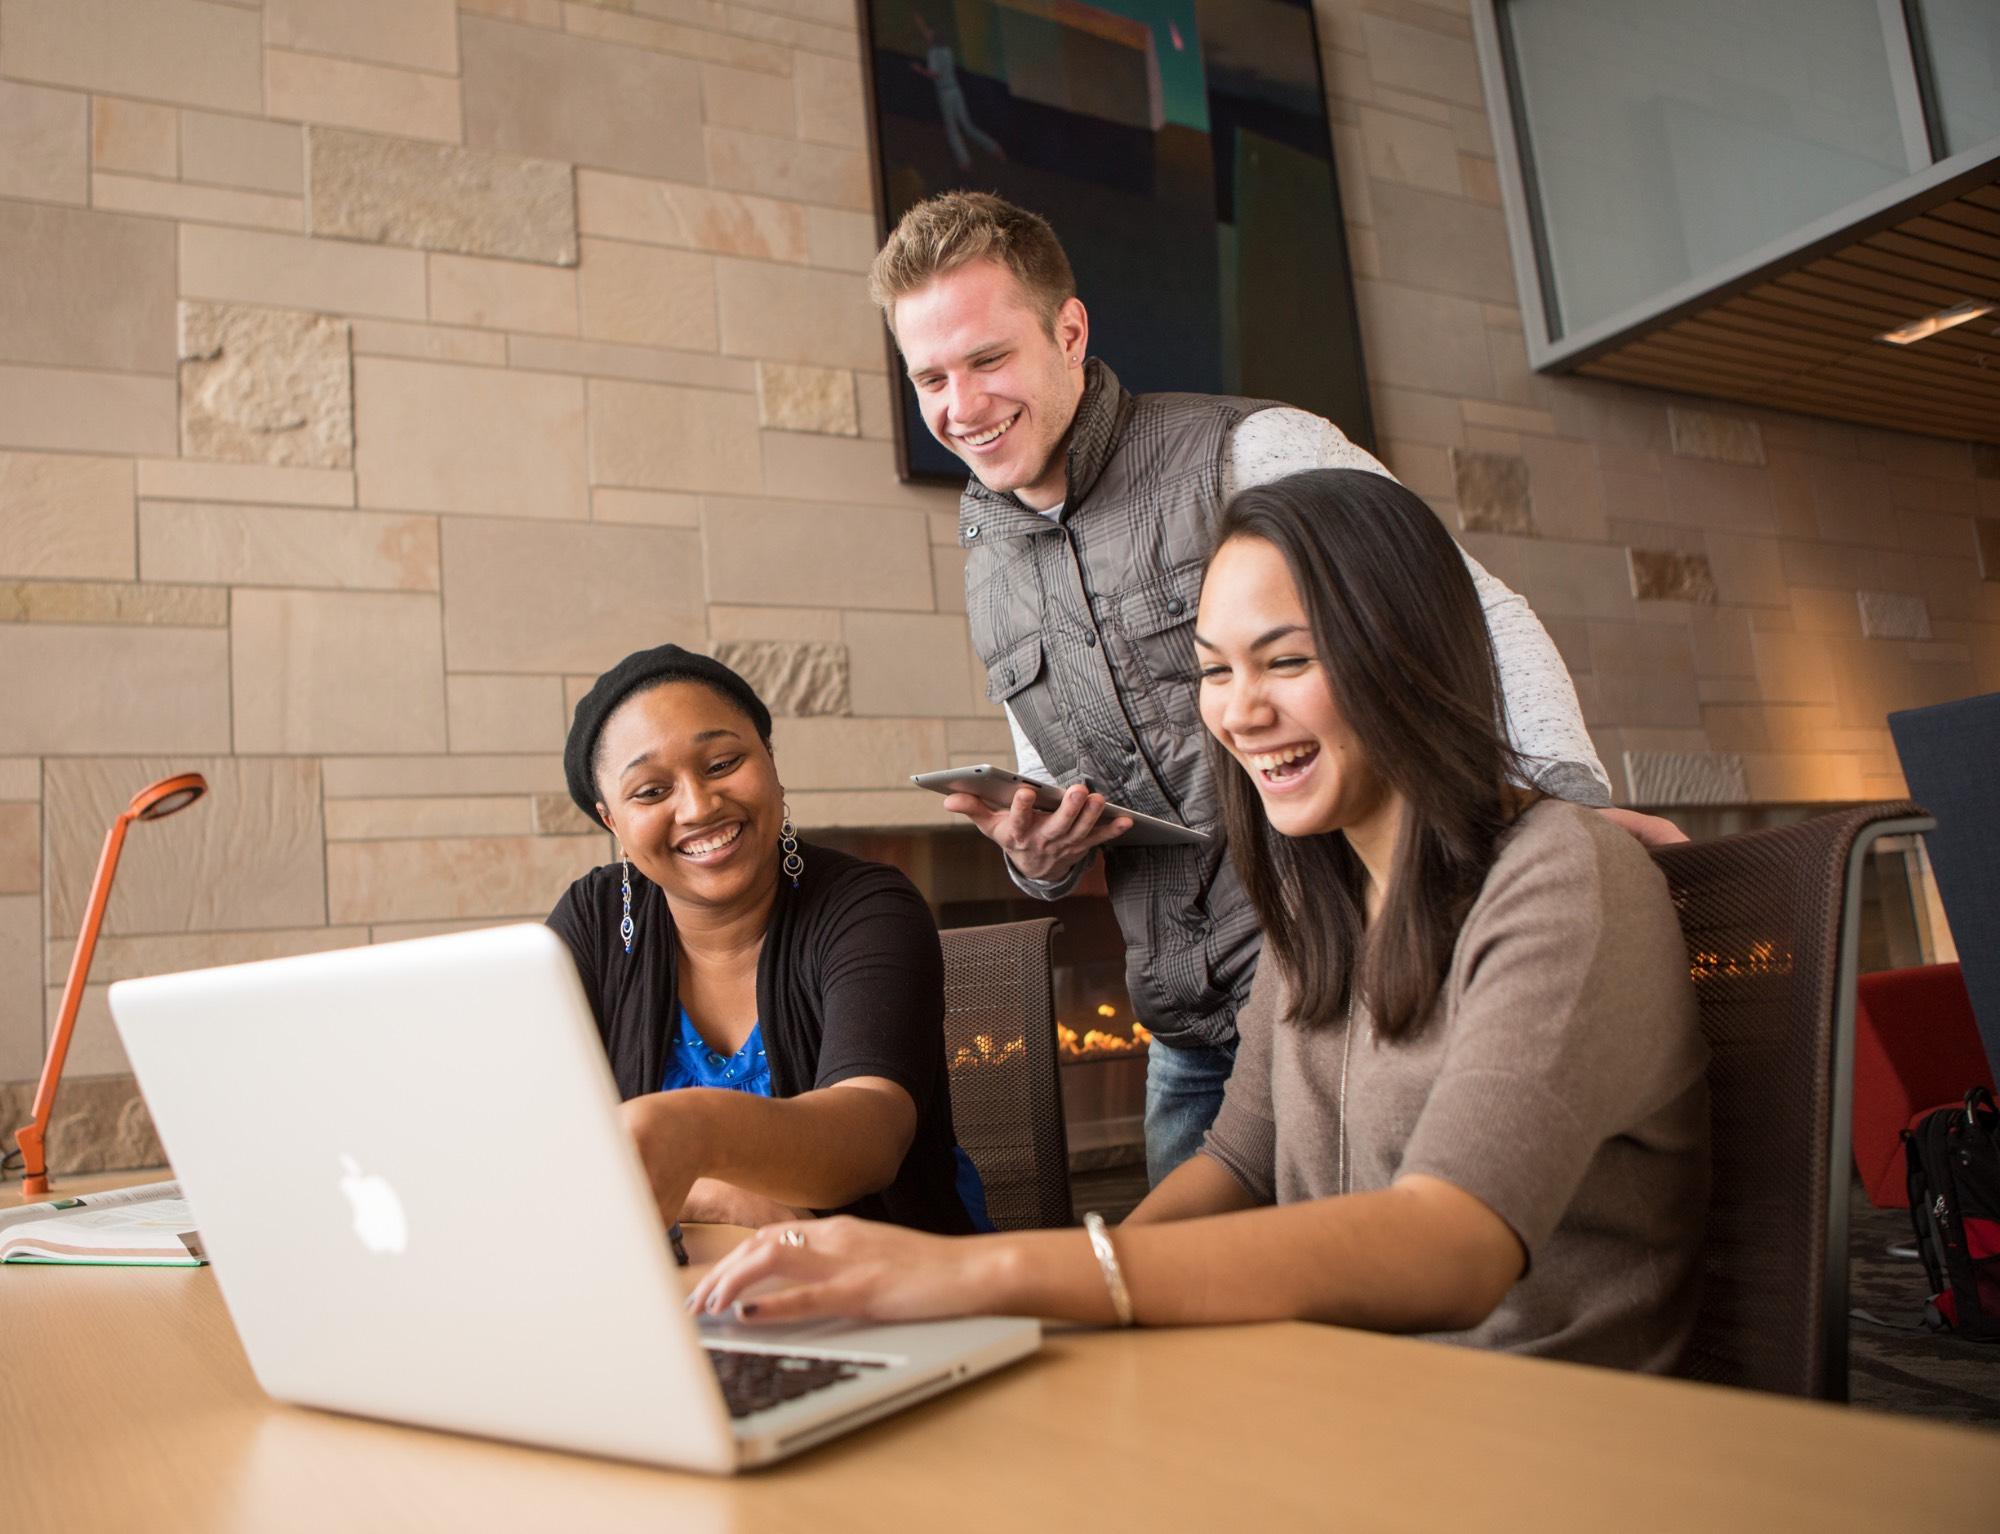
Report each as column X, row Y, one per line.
column 1045, row 831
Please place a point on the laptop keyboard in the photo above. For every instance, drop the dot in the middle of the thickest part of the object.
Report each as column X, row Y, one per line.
column 753, row 1382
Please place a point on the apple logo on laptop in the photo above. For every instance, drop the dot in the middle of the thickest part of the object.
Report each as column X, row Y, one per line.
column 378, row 1212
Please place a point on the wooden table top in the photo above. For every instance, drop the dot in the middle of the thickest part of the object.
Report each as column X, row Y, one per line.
column 125, row 1401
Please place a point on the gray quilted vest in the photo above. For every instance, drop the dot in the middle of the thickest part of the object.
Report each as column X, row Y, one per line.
column 1086, row 627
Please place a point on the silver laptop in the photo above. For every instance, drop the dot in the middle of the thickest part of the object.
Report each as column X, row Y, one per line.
column 409, row 1172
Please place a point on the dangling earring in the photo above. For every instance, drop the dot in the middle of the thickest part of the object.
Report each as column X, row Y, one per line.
column 625, row 889
column 788, row 843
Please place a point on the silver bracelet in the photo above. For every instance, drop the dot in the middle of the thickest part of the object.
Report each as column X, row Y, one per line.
column 1107, row 1260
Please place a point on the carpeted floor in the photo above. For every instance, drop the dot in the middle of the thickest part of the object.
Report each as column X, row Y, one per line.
column 1889, row 1369
column 1890, row 1366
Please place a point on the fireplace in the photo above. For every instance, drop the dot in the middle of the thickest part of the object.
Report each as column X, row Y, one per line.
column 1101, row 1044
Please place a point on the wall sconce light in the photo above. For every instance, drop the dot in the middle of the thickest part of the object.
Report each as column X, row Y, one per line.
column 155, row 802
column 1931, row 324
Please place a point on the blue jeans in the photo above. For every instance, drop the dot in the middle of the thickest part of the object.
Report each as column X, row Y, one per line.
column 1183, row 1096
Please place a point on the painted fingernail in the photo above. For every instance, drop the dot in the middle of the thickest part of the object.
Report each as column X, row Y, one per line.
column 747, row 1309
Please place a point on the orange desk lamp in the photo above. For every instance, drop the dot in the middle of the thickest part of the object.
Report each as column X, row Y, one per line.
column 156, row 802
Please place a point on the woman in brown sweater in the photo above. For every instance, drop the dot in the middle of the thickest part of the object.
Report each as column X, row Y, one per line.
column 1469, row 1098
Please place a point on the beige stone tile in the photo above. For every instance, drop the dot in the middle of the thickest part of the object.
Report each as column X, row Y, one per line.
column 792, row 677
column 1803, row 779
column 170, row 479
column 830, row 106
column 832, row 753
column 533, row 13
column 265, row 386
column 143, row 606
column 243, row 152
column 868, row 810
column 505, row 713
column 503, row 295
column 440, row 197
column 20, row 849
column 1424, row 340
column 455, row 878
column 86, row 290
column 796, row 624
column 286, row 271
column 530, row 596
column 1406, row 150
column 244, row 858
column 1708, row 434
column 130, row 958
column 417, row 34
column 979, row 740
column 839, row 239
column 21, row 1042
column 1794, row 668
column 557, row 815
column 834, row 14
column 20, row 778
column 656, row 437
column 381, row 777
column 325, row 671
column 62, row 515
column 648, row 508
column 522, row 89
column 663, row 213
column 136, row 136
column 1423, row 62
column 427, row 343
column 1569, row 497
column 788, row 316
column 271, row 546
column 793, row 554
column 645, row 296
column 1720, row 495
column 360, row 820
column 1644, row 675
column 200, row 204
column 305, row 87
column 432, row 437
column 948, row 577
column 1443, row 244
column 795, row 398
column 843, row 469
column 102, row 1125
column 839, row 42
column 1560, row 580
column 747, row 98
column 170, row 50
column 908, row 663
column 44, row 144
column 877, row 398
column 642, row 364
column 780, row 167
column 588, row 20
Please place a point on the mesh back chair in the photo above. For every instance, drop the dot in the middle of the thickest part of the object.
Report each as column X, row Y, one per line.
column 1006, row 1091
column 1772, row 924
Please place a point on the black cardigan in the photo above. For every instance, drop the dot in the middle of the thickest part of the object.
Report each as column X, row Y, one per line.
column 850, row 983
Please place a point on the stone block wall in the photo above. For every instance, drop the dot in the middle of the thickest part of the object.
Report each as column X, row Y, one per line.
column 374, row 372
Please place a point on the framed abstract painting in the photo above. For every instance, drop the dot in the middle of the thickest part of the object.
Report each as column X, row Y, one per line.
column 1182, row 151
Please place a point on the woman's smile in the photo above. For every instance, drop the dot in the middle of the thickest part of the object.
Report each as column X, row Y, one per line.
column 712, row 845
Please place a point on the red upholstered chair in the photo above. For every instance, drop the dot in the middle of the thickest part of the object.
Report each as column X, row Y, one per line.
column 1916, row 1047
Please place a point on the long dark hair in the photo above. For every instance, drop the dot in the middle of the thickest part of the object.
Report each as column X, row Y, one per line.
column 1402, row 641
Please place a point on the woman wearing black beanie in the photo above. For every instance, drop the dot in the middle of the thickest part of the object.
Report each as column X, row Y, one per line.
column 773, row 1011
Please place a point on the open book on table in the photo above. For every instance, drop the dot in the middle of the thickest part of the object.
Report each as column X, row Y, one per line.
column 150, row 1226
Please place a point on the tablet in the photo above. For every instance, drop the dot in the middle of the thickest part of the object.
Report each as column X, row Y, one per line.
column 997, row 786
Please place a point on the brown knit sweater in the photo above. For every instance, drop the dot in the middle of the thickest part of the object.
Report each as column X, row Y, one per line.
column 1559, row 1079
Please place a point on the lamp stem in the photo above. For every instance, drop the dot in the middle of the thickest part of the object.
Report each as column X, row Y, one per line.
column 30, row 1136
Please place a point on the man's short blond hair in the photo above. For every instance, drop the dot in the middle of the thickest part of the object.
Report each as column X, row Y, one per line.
column 943, row 233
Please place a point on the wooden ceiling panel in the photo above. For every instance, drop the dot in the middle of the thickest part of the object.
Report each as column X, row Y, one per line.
column 1807, row 338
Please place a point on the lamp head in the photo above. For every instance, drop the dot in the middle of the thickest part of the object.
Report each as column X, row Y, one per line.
column 158, row 800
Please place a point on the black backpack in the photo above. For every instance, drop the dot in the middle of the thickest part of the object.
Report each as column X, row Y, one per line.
column 1954, row 1162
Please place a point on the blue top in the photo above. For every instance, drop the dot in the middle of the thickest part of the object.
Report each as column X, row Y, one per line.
column 691, row 1063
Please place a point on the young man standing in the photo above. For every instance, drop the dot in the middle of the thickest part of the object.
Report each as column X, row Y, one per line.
column 1085, row 524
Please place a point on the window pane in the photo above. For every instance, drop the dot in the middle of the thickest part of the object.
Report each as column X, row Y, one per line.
column 1962, row 38
column 1670, row 137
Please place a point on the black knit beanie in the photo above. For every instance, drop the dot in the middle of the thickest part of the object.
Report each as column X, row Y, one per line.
column 646, row 668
